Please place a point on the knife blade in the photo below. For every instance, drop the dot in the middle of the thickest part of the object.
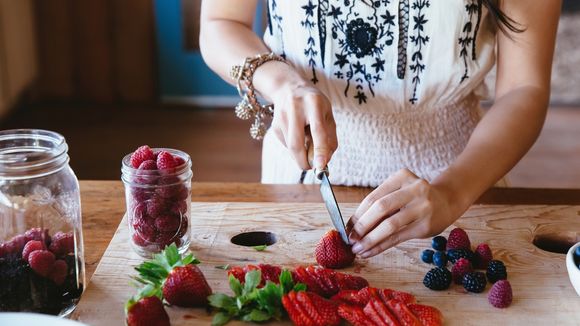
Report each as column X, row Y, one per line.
column 331, row 204
column 326, row 189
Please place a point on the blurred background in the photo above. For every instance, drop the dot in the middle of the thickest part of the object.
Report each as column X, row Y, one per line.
column 111, row 75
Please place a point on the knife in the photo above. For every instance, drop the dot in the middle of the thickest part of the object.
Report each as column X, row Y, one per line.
column 328, row 196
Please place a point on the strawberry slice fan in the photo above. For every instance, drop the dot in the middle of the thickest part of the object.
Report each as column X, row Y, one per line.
column 333, row 296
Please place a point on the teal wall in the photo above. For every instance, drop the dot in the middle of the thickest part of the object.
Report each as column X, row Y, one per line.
column 183, row 73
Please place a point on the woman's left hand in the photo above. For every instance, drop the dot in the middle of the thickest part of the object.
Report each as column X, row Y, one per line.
column 404, row 207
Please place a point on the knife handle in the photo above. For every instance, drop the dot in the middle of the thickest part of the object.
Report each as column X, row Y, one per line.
column 310, row 144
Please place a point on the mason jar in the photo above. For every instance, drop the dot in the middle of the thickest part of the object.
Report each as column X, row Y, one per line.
column 158, row 204
column 41, row 240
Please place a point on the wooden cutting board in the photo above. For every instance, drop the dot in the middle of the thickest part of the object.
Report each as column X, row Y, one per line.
column 543, row 294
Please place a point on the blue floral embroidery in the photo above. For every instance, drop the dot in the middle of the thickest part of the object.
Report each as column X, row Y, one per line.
column 275, row 16
column 419, row 39
column 468, row 38
column 357, row 36
column 309, row 24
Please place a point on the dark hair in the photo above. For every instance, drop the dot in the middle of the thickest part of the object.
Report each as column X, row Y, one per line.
column 502, row 21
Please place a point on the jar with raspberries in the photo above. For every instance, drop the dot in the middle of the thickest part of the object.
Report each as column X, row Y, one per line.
column 41, row 242
column 157, row 190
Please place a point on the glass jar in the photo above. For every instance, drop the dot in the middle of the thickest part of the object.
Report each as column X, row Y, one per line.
column 158, row 204
column 41, row 242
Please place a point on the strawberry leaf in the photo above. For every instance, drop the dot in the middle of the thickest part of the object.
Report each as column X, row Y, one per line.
column 299, row 287
column 221, row 318
column 235, row 285
column 190, row 259
column 224, row 267
column 260, row 248
column 252, row 280
column 256, row 315
column 172, row 256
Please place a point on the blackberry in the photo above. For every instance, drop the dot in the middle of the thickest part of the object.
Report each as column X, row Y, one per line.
column 474, row 282
column 439, row 242
column 437, row 279
column 453, row 255
column 440, row 259
column 427, row 256
column 496, row 271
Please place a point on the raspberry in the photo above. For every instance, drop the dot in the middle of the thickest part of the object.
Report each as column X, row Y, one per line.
column 483, row 256
column 179, row 160
column 427, row 256
column 454, row 254
column 458, row 239
column 62, row 244
column 15, row 245
column 474, row 282
column 143, row 153
column 37, row 234
column 138, row 240
column 146, row 231
column 437, row 279
column 140, row 210
column 500, row 295
column 59, row 272
column 169, row 224
column 30, row 247
column 183, row 227
column 179, row 208
column 155, row 207
column 41, row 262
column 439, row 242
column 140, row 194
column 440, row 259
column 148, row 165
column 461, row 267
column 166, row 161
column 496, row 271
column 164, row 239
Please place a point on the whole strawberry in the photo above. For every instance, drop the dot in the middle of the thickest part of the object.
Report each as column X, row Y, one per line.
column 500, row 295
column 459, row 269
column 146, row 311
column 186, row 287
column 483, row 256
column 182, row 283
column 332, row 252
column 458, row 239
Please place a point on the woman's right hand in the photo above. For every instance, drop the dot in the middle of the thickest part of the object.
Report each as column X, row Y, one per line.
column 298, row 104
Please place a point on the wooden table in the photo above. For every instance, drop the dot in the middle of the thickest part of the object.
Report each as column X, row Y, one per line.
column 508, row 221
column 104, row 204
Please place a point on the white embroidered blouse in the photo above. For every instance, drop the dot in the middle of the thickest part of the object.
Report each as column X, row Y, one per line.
column 404, row 79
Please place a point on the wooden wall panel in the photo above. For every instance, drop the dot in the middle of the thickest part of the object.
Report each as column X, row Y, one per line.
column 96, row 51
column 18, row 66
column 134, row 51
column 92, row 48
column 56, row 60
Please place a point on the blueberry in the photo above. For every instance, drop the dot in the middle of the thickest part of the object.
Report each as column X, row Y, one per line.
column 440, row 259
column 427, row 256
column 439, row 243
column 577, row 252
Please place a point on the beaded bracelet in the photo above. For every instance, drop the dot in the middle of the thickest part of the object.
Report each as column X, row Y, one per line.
column 249, row 107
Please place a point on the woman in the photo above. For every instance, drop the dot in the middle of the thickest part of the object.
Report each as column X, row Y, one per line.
column 390, row 91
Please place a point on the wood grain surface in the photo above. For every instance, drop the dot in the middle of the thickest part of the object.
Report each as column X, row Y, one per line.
column 104, row 204
column 542, row 292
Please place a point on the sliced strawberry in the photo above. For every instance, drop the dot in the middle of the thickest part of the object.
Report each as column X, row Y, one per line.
column 402, row 312
column 308, row 308
column 349, row 297
column 355, row 315
column 379, row 313
column 404, row 297
column 427, row 315
column 350, row 282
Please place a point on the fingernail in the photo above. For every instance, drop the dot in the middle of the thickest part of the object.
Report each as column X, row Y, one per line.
column 365, row 254
column 318, row 161
column 356, row 248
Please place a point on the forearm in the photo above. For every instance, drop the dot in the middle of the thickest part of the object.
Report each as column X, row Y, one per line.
column 499, row 141
column 225, row 43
